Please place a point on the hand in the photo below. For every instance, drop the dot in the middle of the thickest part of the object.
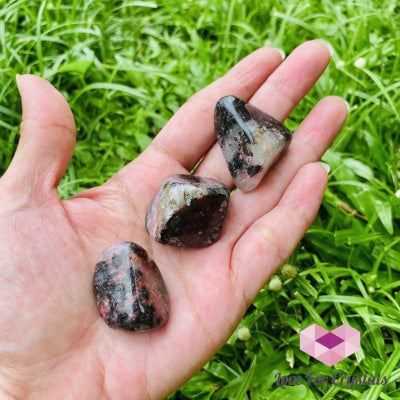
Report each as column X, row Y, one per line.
column 53, row 342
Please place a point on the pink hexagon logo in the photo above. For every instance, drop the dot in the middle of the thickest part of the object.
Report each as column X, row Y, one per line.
column 329, row 347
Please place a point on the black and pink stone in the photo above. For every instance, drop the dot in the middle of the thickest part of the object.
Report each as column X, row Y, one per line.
column 188, row 211
column 129, row 289
column 251, row 140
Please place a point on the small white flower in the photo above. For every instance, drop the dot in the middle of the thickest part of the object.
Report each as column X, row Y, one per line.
column 360, row 62
column 340, row 64
column 267, row 42
column 397, row 194
column 244, row 333
column 275, row 284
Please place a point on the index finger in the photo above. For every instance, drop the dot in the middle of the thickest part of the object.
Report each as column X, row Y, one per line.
column 190, row 132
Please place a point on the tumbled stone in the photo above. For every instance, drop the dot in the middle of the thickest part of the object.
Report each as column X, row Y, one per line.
column 187, row 211
column 129, row 289
column 251, row 140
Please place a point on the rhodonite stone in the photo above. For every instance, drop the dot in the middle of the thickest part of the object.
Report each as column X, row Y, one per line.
column 187, row 211
column 129, row 289
column 251, row 140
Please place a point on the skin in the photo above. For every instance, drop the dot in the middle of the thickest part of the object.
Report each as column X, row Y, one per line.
column 53, row 343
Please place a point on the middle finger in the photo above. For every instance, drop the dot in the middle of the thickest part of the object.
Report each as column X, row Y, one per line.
column 278, row 96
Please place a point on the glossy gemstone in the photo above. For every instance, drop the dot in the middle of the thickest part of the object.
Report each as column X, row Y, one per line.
column 129, row 289
column 188, row 211
column 251, row 140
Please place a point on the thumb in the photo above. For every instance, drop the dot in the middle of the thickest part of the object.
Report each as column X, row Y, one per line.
column 47, row 140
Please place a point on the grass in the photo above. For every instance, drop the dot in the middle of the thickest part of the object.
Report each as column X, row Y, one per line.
column 126, row 66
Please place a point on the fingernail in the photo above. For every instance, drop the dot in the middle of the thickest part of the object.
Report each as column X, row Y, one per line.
column 281, row 52
column 327, row 44
column 18, row 80
column 360, row 63
column 347, row 104
column 325, row 165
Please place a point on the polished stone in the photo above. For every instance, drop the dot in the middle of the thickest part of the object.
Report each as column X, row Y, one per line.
column 251, row 140
column 129, row 289
column 187, row 211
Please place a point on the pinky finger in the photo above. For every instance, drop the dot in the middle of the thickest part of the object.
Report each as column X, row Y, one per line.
column 270, row 240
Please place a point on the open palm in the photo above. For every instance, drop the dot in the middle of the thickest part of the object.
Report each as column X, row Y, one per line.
column 53, row 342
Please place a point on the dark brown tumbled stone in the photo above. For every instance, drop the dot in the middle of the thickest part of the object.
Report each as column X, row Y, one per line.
column 129, row 289
column 188, row 211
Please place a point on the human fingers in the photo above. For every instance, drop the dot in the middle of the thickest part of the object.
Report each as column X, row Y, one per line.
column 312, row 138
column 269, row 241
column 47, row 140
column 278, row 96
column 190, row 132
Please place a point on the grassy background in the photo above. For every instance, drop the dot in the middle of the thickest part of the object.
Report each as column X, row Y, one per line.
column 126, row 66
